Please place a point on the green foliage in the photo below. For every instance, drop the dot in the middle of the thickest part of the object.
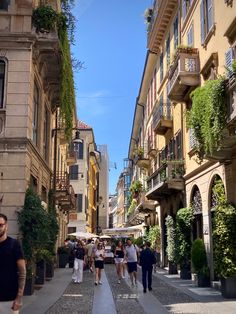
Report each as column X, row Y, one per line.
column 53, row 226
column 207, row 116
column 224, row 234
column 219, row 191
column 154, row 236
column 43, row 254
column 132, row 207
column 33, row 225
column 198, row 256
column 184, row 220
column 136, row 187
column 44, row 18
column 139, row 241
column 171, row 239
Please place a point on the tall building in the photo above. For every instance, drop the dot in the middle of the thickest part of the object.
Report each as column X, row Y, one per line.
column 189, row 44
column 103, row 187
column 33, row 142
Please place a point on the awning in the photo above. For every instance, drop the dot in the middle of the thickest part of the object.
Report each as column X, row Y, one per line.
column 126, row 230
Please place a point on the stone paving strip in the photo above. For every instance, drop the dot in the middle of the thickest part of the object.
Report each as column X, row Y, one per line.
column 126, row 299
column 77, row 298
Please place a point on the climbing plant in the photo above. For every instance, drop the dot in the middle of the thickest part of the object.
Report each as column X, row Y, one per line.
column 171, row 239
column 207, row 116
column 45, row 18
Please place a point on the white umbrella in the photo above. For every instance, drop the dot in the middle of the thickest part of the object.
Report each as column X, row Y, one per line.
column 82, row 234
column 105, row 237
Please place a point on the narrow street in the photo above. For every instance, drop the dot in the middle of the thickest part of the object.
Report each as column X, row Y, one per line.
column 169, row 295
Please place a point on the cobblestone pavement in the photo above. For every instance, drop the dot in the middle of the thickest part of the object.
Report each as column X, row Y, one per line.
column 126, row 300
column 77, row 298
column 170, row 294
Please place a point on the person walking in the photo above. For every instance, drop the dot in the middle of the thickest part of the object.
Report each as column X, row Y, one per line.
column 131, row 256
column 79, row 253
column 90, row 249
column 12, row 271
column 119, row 258
column 99, row 255
column 147, row 259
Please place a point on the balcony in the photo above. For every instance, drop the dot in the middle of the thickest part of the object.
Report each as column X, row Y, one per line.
column 71, row 157
column 162, row 12
column 141, row 161
column 143, row 209
column 184, row 74
column 166, row 180
column 65, row 196
column 162, row 118
column 47, row 57
column 151, row 150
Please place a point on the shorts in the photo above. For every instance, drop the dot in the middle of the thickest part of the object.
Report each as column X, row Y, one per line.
column 119, row 260
column 132, row 266
column 99, row 264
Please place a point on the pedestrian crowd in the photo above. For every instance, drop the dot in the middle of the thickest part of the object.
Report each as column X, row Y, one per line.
column 127, row 256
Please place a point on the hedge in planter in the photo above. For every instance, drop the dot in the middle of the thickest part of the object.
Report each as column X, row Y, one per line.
column 184, row 219
column 171, row 245
column 224, row 235
column 199, row 262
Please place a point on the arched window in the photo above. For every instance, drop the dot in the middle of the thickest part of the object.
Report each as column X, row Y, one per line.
column 196, row 203
column 2, row 82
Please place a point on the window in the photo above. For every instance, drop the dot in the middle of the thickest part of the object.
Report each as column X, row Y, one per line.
column 155, row 85
column 2, row 82
column 206, row 9
column 33, row 184
column 186, row 4
column 168, row 51
column 74, row 171
column 35, row 114
column 229, row 57
column 161, row 67
column 80, row 203
column 176, row 32
column 190, row 36
column 45, row 133
column 4, row 4
column 80, row 150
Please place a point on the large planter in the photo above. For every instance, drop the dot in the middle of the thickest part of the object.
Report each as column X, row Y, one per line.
column 62, row 260
column 40, row 272
column 29, row 286
column 49, row 270
column 185, row 272
column 173, row 270
column 228, row 287
column 203, row 280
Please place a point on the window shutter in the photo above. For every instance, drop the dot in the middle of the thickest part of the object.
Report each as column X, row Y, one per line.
column 74, row 172
column 202, row 21
column 81, row 151
column 229, row 56
column 80, row 203
column 209, row 15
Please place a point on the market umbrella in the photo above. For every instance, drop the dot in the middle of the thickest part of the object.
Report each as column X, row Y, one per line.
column 82, row 234
column 105, row 237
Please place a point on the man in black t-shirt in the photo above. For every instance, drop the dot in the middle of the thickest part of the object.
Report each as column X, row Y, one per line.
column 12, row 271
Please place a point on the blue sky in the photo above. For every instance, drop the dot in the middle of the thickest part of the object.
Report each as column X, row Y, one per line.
column 111, row 41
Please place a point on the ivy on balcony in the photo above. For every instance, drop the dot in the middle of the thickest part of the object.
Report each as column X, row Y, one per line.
column 207, row 116
column 45, row 19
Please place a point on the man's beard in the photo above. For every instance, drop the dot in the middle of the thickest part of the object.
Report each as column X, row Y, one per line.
column 2, row 233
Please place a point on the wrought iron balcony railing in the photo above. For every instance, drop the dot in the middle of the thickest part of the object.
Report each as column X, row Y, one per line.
column 162, row 118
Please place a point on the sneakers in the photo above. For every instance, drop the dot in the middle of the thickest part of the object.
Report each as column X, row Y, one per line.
column 96, row 283
column 100, row 283
column 150, row 289
column 144, row 290
column 118, row 281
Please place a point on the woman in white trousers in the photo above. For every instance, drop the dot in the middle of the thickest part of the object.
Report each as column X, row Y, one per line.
column 79, row 252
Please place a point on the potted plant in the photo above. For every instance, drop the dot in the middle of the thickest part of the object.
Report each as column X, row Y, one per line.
column 135, row 188
column 33, row 225
column 224, row 235
column 30, row 278
column 41, row 256
column 184, row 220
column 63, row 256
column 199, row 262
column 171, row 245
